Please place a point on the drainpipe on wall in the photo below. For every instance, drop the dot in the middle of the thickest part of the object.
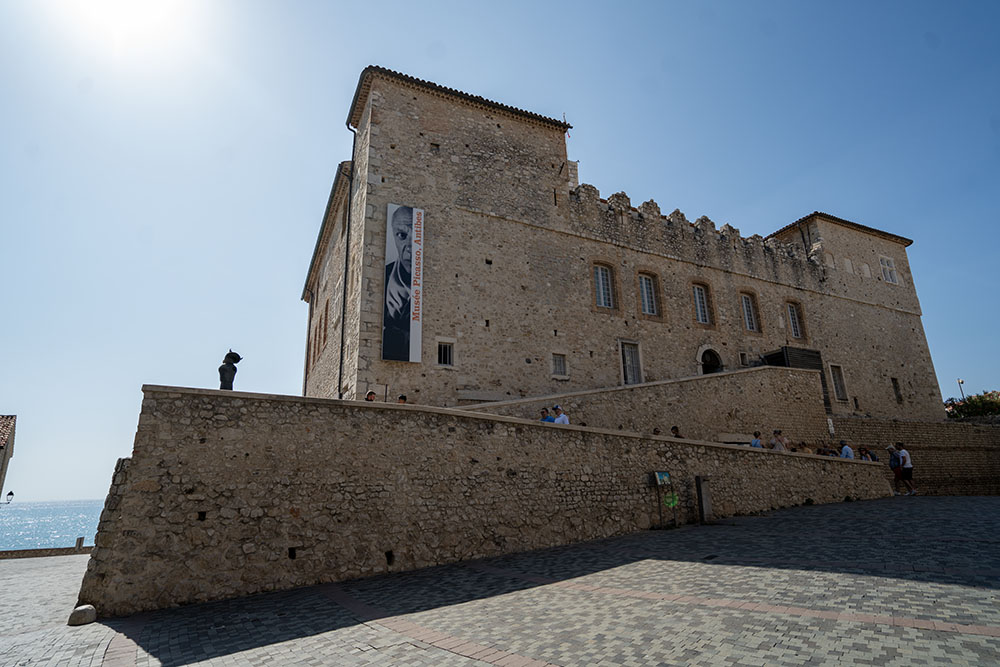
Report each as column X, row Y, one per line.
column 305, row 372
column 347, row 256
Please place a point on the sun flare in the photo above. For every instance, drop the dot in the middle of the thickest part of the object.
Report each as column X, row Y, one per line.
column 134, row 30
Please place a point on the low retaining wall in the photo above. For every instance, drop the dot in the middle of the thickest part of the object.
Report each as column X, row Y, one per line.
column 38, row 553
column 948, row 458
column 753, row 399
column 229, row 493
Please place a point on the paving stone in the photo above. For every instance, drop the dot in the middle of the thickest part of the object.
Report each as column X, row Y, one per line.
column 822, row 585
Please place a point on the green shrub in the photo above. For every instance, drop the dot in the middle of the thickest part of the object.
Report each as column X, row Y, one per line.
column 974, row 405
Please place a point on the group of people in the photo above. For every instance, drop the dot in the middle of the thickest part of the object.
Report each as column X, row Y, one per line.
column 900, row 461
column 899, row 458
column 778, row 442
column 902, row 468
column 559, row 417
column 371, row 396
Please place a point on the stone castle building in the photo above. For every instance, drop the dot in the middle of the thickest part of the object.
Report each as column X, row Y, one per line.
column 526, row 283
column 460, row 262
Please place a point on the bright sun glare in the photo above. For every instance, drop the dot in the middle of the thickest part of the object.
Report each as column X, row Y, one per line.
column 135, row 30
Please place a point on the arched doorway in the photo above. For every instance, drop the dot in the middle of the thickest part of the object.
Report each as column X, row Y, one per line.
column 710, row 362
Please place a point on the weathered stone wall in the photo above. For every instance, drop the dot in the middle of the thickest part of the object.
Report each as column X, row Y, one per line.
column 948, row 458
column 324, row 292
column 510, row 243
column 702, row 407
column 229, row 493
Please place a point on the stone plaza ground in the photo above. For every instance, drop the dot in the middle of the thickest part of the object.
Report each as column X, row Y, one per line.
column 900, row 581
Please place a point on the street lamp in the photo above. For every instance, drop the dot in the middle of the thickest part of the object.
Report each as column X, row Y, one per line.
column 960, row 383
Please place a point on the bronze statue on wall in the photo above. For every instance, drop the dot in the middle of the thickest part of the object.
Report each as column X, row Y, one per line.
column 227, row 371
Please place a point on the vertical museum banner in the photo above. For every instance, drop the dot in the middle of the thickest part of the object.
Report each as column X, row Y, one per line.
column 402, row 314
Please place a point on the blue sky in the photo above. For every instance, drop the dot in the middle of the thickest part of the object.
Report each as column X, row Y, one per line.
column 164, row 167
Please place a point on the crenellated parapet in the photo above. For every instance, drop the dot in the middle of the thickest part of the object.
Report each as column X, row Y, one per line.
column 702, row 242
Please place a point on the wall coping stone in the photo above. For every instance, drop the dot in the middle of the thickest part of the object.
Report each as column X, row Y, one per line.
column 44, row 552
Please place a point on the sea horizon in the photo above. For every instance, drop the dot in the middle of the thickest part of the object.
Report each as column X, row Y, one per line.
column 46, row 524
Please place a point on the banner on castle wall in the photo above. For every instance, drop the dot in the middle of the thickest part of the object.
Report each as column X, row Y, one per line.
column 402, row 313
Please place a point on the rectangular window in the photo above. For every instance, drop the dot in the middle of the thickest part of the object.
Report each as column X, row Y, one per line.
column 326, row 319
column 647, row 293
column 744, row 359
column 888, row 270
column 896, row 390
column 631, row 371
column 701, row 313
column 446, row 354
column 794, row 321
column 750, row 318
column 839, row 388
column 559, row 364
column 602, row 287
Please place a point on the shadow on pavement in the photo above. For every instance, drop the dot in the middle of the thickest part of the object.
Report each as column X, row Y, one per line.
column 944, row 540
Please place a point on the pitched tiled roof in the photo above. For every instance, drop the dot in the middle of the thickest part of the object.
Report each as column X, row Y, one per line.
column 846, row 223
column 370, row 72
column 6, row 428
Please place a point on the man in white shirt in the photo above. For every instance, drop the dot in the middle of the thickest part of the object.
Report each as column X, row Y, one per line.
column 845, row 450
column 561, row 417
column 907, row 467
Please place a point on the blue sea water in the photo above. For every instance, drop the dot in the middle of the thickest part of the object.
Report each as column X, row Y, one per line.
column 48, row 524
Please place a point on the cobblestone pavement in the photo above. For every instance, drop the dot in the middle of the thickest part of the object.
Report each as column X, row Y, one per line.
column 901, row 581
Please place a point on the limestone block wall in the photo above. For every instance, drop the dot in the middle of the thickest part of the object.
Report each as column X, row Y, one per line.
column 757, row 399
column 230, row 493
column 948, row 458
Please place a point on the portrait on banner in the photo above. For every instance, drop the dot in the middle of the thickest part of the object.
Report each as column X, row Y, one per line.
column 402, row 316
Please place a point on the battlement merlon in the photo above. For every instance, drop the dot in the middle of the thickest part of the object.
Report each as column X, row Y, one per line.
column 615, row 220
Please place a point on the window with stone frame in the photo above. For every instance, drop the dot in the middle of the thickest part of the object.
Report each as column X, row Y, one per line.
column 702, row 303
column 888, row 270
column 446, row 354
column 751, row 316
column 631, row 362
column 839, row 386
column 648, row 296
column 559, row 365
column 604, row 293
column 796, row 326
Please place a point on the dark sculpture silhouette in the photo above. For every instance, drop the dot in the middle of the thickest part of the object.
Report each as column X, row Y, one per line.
column 227, row 371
